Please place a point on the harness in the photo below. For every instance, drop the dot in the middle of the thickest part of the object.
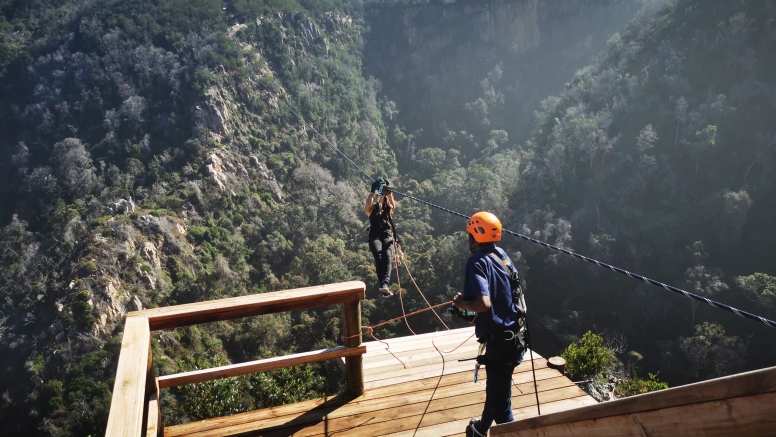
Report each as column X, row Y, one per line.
column 507, row 335
column 385, row 214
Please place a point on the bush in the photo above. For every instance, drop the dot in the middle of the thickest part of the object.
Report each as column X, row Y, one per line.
column 637, row 386
column 587, row 357
column 82, row 309
column 100, row 220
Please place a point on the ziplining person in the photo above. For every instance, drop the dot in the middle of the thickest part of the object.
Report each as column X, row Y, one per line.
column 492, row 290
column 379, row 207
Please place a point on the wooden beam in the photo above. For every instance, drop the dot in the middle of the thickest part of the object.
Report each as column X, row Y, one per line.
column 153, row 428
column 354, row 365
column 252, row 305
column 259, row 366
column 128, row 398
column 749, row 416
column 743, row 384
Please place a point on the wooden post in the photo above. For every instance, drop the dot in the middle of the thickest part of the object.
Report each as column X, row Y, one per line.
column 354, row 366
column 129, row 390
column 154, row 427
column 153, row 414
column 557, row 363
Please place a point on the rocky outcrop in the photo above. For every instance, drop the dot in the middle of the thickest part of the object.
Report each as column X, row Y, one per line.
column 215, row 168
column 430, row 29
column 268, row 178
column 123, row 206
column 216, row 113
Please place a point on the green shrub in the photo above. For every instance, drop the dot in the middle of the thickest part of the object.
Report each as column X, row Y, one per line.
column 161, row 212
column 197, row 233
column 82, row 309
column 87, row 268
column 637, row 386
column 587, row 357
column 100, row 220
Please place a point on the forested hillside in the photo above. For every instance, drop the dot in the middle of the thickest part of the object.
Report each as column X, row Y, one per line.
column 150, row 158
column 657, row 157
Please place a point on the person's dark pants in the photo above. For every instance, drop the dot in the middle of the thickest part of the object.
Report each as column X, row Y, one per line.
column 498, row 401
column 502, row 360
column 382, row 250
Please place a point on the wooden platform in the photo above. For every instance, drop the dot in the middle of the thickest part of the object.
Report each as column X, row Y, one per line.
column 397, row 401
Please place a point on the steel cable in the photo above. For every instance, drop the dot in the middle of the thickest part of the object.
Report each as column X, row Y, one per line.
column 713, row 303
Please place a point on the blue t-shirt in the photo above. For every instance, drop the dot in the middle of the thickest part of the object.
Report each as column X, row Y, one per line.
column 485, row 277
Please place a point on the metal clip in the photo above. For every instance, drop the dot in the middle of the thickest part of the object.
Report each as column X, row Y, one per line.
column 476, row 372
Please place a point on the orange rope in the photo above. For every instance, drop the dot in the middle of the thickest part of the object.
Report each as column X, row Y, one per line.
column 423, row 295
column 405, row 316
column 456, row 348
column 387, row 346
column 401, row 300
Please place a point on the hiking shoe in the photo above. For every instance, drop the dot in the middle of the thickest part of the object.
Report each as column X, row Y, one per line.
column 385, row 290
column 471, row 430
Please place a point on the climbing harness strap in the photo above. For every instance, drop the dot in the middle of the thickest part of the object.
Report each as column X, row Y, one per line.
column 480, row 361
column 399, row 252
column 518, row 299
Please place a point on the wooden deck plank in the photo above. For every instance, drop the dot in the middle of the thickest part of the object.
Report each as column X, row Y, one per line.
column 381, row 357
column 258, row 366
column 416, row 361
column 252, row 305
column 258, row 416
column 396, row 398
column 421, row 341
column 401, row 375
column 417, row 357
column 363, row 425
column 392, row 364
column 404, row 395
column 456, row 427
column 437, row 411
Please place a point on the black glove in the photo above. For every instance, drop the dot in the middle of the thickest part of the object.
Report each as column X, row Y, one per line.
column 467, row 315
column 375, row 187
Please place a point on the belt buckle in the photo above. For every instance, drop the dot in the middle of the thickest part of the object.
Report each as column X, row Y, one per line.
column 510, row 338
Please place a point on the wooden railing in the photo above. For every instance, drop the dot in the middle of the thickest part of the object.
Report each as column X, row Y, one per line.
column 741, row 404
column 135, row 403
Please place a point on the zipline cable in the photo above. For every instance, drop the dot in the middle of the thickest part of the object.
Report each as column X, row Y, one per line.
column 322, row 137
column 713, row 303
column 671, row 288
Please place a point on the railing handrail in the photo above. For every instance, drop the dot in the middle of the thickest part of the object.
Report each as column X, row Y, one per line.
column 136, row 388
column 252, row 305
column 249, row 367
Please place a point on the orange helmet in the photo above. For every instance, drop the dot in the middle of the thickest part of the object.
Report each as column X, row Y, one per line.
column 484, row 227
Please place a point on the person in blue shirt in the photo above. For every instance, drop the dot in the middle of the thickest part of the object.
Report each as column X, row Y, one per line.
column 491, row 289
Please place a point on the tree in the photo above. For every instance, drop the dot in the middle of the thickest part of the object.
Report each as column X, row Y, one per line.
column 711, row 353
column 735, row 209
column 74, row 167
column 704, row 282
column 680, row 112
column 702, row 142
column 759, row 287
